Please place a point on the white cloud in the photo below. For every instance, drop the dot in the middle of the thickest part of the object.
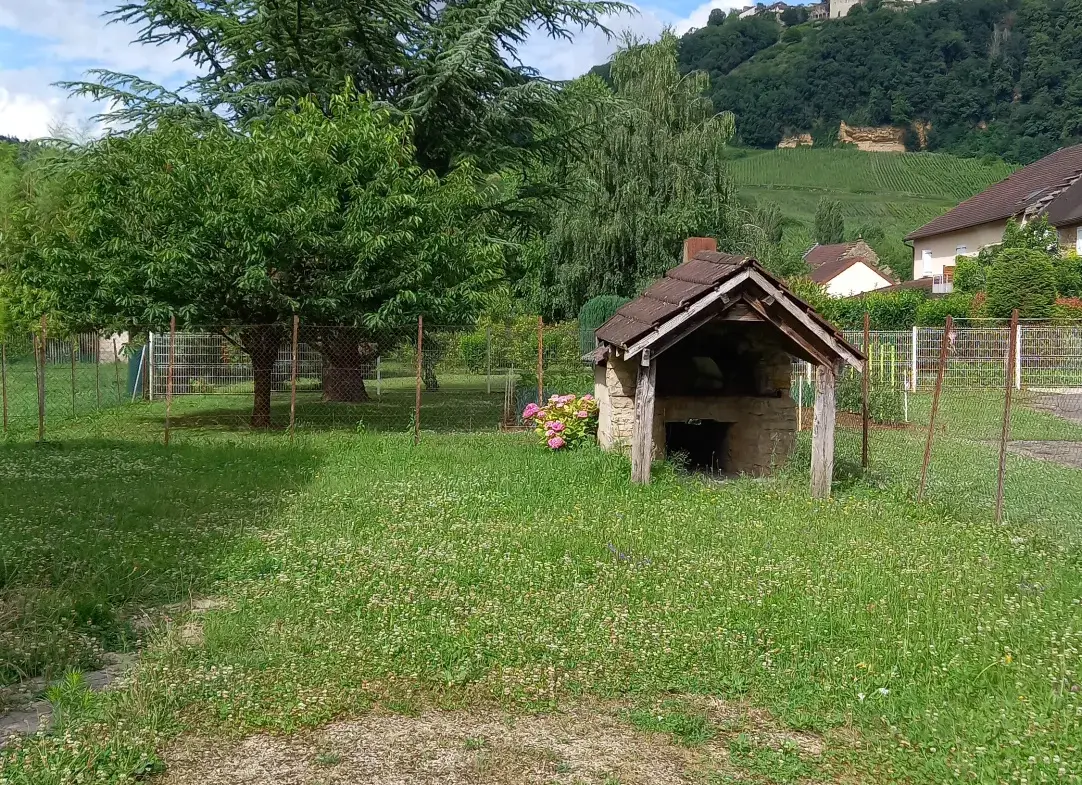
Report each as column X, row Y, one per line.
column 564, row 60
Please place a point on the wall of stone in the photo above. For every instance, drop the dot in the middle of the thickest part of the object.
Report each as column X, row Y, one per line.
column 764, row 425
column 885, row 139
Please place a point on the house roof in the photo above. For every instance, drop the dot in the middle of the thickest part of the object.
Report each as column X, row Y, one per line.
column 1034, row 187
column 829, row 261
column 705, row 287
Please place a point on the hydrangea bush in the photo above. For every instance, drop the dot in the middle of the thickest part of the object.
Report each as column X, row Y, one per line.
column 566, row 421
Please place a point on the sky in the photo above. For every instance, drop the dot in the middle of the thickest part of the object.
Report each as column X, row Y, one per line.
column 46, row 41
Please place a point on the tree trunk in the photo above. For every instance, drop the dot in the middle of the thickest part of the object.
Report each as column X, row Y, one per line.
column 262, row 344
column 346, row 360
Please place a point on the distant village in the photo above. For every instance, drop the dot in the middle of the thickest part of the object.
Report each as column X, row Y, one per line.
column 829, row 9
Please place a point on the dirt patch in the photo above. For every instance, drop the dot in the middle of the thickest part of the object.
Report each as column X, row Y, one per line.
column 586, row 744
column 1064, row 453
column 1065, row 405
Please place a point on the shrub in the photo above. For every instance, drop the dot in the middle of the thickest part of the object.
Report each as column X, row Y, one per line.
column 934, row 311
column 567, row 421
column 1069, row 275
column 1067, row 309
column 970, row 274
column 473, row 351
column 885, row 404
column 1024, row 279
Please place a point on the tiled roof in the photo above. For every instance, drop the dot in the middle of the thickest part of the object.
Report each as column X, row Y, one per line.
column 1007, row 198
column 821, row 254
column 685, row 285
column 829, row 261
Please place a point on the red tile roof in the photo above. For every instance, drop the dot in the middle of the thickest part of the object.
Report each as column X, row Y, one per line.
column 1009, row 197
column 829, row 261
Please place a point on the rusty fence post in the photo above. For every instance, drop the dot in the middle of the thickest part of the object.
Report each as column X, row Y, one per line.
column 948, row 327
column 865, row 413
column 420, row 360
column 1005, row 435
column 4, row 381
column 39, row 362
column 540, row 361
column 169, row 375
column 293, row 377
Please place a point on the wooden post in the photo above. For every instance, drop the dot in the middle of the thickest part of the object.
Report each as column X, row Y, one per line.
column 39, row 361
column 865, row 413
column 293, row 376
column 1012, row 354
column 169, row 375
column 642, row 439
column 940, row 370
column 540, row 361
column 4, row 381
column 74, row 343
column 116, row 368
column 420, row 358
column 822, row 460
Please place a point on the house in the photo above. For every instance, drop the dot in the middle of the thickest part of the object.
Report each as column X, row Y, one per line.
column 845, row 269
column 839, row 8
column 1051, row 187
column 817, row 11
column 700, row 364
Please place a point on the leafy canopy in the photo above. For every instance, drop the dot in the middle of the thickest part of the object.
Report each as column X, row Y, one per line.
column 655, row 175
column 326, row 217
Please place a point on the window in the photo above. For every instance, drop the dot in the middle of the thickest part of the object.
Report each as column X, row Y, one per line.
column 960, row 250
column 926, row 261
column 1078, row 241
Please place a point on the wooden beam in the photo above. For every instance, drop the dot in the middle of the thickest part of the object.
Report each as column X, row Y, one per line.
column 822, row 459
column 642, row 438
column 811, row 354
column 694, row 310
column 740, row 312
column 840, row 349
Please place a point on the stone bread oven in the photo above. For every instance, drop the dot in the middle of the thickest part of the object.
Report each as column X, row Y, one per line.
column 700, row 366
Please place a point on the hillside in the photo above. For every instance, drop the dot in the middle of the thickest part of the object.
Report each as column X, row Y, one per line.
column 895, row 192
column 999, row 77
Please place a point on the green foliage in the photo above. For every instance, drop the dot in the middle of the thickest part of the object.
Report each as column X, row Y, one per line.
column 887, row 311
column 934, row 311
column 989, row 76
column 1024, row 279
column 1035, row 235
column 886, row 405
column 594, row 313
column 1069, row 275
column 654, row 176
column 687, row 727
column 719, row 48
column 970, row 274
column 829, row 226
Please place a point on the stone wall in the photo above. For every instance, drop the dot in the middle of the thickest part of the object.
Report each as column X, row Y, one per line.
column 764, row 425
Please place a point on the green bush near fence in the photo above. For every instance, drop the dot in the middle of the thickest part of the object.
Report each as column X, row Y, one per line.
column 511, row 344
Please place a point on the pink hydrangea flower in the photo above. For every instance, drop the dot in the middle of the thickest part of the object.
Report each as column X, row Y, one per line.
column 550, row 433
column 531, row 410
column 587, row 397
column 548, row 425
column 558, row 426
column 581, row 414
column 556, row 442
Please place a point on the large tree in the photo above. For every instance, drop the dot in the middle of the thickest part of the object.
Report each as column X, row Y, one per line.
column 321, row 214
column 655, row 175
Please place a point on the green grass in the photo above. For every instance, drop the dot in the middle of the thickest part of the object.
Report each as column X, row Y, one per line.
column 895, row 191
column 478, row 569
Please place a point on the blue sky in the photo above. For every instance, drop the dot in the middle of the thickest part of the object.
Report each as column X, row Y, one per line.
column 45, row 41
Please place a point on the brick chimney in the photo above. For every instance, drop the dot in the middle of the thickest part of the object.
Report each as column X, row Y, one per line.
column 694, row 245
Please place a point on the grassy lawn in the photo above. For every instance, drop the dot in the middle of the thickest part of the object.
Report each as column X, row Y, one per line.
column 479, row 573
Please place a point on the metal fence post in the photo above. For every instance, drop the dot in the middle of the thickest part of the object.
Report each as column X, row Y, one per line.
column 420, row 361
column 379, row 375
column 1012, row 356
column 935, row 405
column 4, row 381
column 74, row 342
column 540, row 361
column 169, row 375
column 39, row 362
column 148, row 393
column 116, row 368
column 865, row 413
column 97, row 367
column 1017, row 338
column 488, row 359
column 913, row 359
column 293, row 377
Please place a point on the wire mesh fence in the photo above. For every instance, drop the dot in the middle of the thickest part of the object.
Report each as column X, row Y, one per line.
column 482, row 376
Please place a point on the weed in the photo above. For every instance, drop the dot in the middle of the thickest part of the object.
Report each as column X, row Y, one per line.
column 687, row 728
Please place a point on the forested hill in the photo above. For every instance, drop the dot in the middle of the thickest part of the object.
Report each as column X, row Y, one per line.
column 1000, row 77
